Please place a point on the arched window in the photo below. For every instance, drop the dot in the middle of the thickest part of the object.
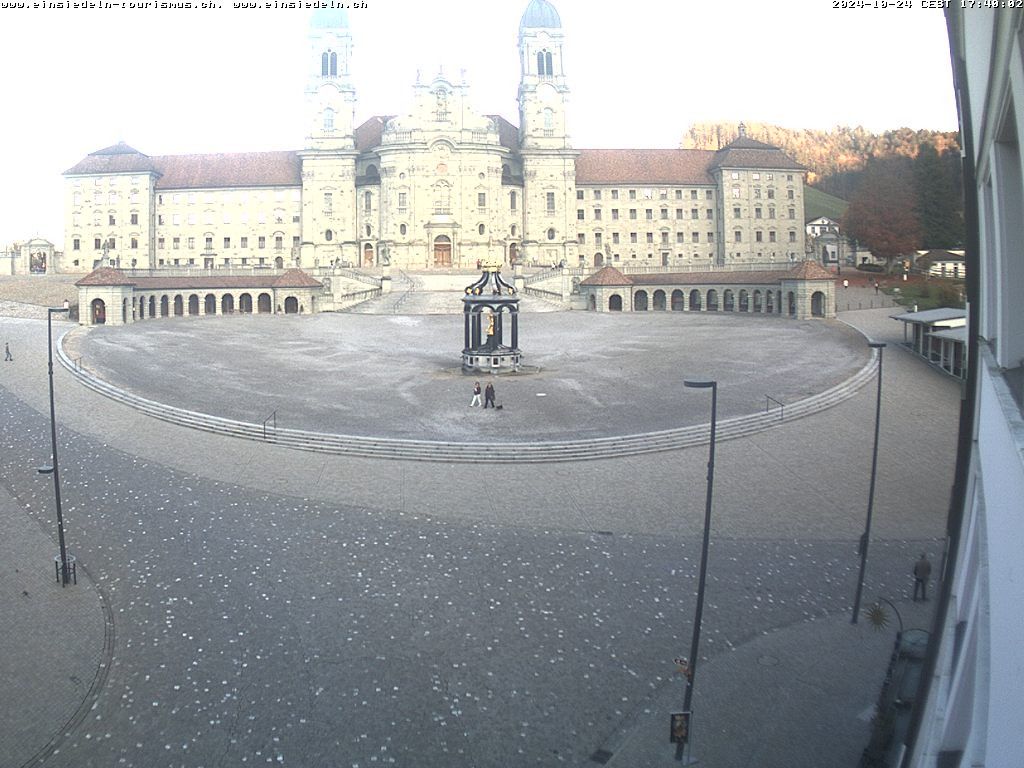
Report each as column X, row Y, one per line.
column 551, row 234
column 549, row 121
column 329, row 64
column 481, row 229
column 329, row 235
column 442, row 198
column 544, row 68
column 328, row 119
column 402, row 229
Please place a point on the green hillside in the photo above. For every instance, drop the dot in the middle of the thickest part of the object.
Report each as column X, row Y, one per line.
column 818, row 203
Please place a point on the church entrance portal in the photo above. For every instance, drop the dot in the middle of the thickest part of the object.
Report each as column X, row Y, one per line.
column 442, row 251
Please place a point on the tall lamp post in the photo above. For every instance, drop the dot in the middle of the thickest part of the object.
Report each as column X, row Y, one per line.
column 866, row 536
column 699, row 611
column 65, row 574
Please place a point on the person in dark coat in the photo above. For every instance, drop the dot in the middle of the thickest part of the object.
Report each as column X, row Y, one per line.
column 922, row 570
column 489, row 395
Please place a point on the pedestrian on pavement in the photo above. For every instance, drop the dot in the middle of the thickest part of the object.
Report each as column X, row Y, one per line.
column 7, row 353
column 922, row 570
column 476, row 396
column 876, row 286
column 489, row 395
column 846, row 283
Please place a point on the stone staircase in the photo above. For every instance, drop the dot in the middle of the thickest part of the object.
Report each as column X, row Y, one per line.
column 477, row 452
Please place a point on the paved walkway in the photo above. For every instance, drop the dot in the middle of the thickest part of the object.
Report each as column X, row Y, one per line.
column 798, row 688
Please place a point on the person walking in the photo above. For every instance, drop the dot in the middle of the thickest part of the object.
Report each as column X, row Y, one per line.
column 7, row 353
column 476, row 395
column 922, row 570
column 489, row 395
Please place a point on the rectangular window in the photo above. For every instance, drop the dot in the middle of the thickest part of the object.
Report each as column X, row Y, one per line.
column 738, row 236
column 76, row 244
column 160, row 243
column 757, row 193
column 757, row 213
column 735, row 174
column 615, row 238
column 771, row 194
column 663, row 194
column 227, row 243
column 632, row 194
column 112, row 220
column 262, row 241
column 792, row 237
column 135, row 218
column 191, row 243
column 735, row 192
column 597, row 239
column 650, row 237
column 710, row 213
column 694, row 237
column 244, row 242
column 209, row 243
column 792, row 213
column 176, row 243
column 632, row 237
column 367, row 202
column 581, row 238
column 550, row 198
column 597, row 194
column 580, row 215
column 694, row 213
column 481, row 199
column 736, row 213
column 512, row 201
column 664, row 238
column 279, row 242
column 597, row 214
column 176, row 219
column 135, row 242
column 679, row 213
column 329, row 201
column 615, row 214
column 615, row 194
column 758, row 236
column 664, row 213
column 771, row 213
column 97, row 244
column 771, row 237
column 711, row 237
column 789, row 194
column 680, row 237
column 295, row 241
column 648, row 214
column 756, row 176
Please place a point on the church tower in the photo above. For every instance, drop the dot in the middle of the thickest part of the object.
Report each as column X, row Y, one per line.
column 549, row 162
column 328, row 162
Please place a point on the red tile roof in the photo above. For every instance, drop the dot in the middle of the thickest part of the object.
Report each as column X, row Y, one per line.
column 106, row 276
column 237, row 169
column 607, row 276
column 644, row 166
column 807, row 270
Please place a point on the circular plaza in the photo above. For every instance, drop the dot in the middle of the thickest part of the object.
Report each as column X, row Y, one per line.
column 585, row 375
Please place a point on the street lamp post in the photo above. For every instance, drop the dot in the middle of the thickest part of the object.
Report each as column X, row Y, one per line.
column 65, row 575
column 865, row 537
column 699, row 611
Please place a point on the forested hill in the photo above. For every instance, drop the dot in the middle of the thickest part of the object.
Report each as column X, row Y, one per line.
column 830, row 155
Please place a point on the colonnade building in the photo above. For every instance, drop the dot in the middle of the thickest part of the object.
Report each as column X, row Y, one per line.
column 437, row 186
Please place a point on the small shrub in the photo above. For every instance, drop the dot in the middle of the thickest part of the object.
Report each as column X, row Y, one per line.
column 870, row 268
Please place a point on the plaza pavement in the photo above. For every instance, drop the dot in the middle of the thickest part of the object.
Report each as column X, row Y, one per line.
column 786, row 679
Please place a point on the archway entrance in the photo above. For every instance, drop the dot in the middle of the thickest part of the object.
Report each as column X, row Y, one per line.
column 193, row 304
column 98, row 310
column 640, row 301
column 615, row 303
column 279, row 262
column 245, row 303
column 211, row 304
column 263, row 303
column 817, row 304
column 367, row 255
column 178, row 306
column 227, row 304
column 678, row 301
column 291, row 305
column 442, row 251
column 659, row 300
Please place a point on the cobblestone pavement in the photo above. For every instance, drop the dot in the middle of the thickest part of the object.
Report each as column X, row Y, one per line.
column 292, row 609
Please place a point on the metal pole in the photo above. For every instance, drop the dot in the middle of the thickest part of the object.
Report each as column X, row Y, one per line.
column 866, row 536
column 64, row 575
column 699, row 611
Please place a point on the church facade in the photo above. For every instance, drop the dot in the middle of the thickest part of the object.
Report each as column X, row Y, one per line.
column 439, row 187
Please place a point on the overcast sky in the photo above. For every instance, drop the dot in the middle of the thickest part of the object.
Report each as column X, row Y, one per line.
column 640, row 72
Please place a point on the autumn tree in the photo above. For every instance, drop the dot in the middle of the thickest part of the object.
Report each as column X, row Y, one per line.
column 938, row 198
column 882, row 214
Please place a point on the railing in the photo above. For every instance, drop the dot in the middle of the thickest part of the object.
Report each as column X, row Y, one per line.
column 782, row 406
